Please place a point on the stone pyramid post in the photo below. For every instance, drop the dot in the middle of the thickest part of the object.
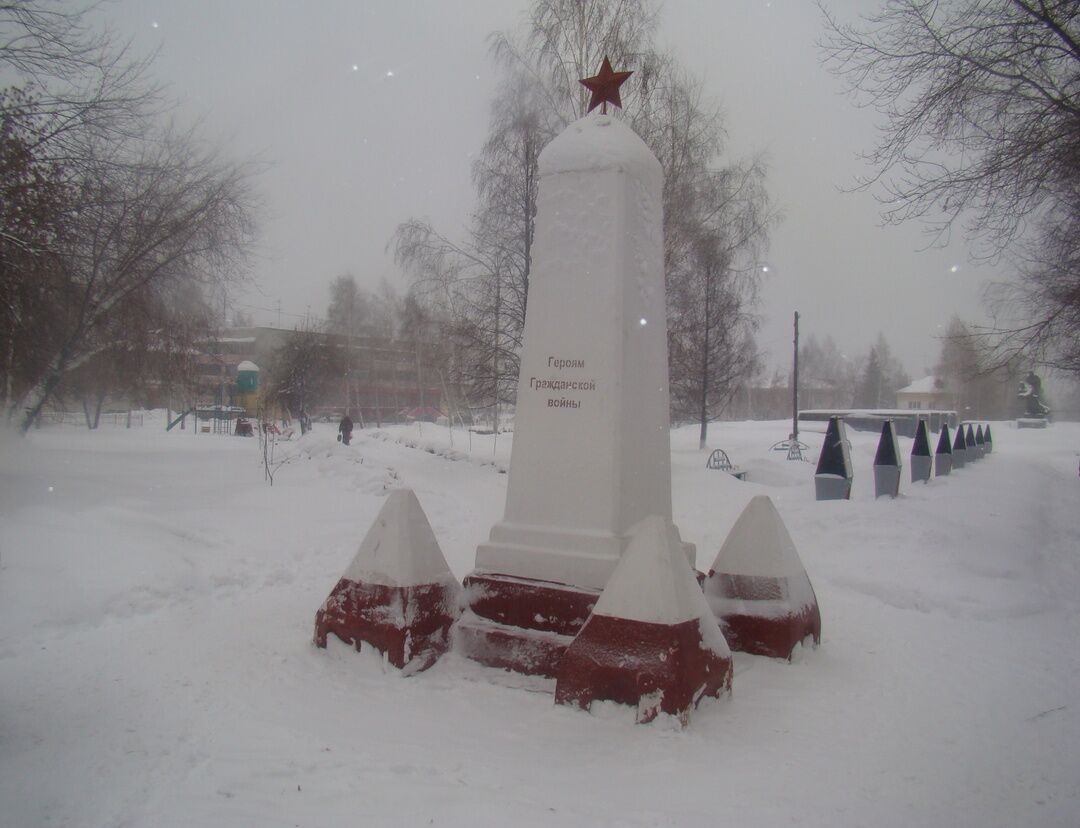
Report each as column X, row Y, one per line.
column 988, row 439
column 398, row 594
column 943, row 457
column 651, row 640
column 921, row 460
column 758, row 587
column 959, row 448
column 591, row 433
column 832, row 480
column 887, row 463
column 980, row 441
column 972, row 450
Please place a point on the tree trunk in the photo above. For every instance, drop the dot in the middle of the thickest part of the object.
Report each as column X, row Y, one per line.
column 42, row 392
column 9, row 373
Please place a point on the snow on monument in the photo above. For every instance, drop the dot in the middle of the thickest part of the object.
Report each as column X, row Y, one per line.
column 652, row 640
column 758, row 587
column 398, row 594
column 591, row 451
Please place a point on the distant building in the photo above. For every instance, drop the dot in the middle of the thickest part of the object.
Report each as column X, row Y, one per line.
column 924, row 394
column 388, row 379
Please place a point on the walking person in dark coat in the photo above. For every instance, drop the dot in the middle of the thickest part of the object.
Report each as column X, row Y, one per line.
column 345, row 429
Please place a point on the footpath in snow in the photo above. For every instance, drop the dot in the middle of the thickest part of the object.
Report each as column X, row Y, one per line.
column 157, row 600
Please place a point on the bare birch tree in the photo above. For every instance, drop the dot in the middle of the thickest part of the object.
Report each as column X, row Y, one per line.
column 108, row 217
column 981, row 101
column 145, row 220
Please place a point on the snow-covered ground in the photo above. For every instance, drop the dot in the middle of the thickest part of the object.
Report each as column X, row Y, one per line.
column 157, row 600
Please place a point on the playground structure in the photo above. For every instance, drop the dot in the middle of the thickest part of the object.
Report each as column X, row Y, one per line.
column 719, row 461
column 226, row 419
column 209, row 419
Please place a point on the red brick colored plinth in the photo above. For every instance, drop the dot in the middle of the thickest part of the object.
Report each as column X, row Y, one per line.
column 520, row 624
column 774, row 626
column 510, row 648
column 409, row 624
column 773, row 637
column 655, row 667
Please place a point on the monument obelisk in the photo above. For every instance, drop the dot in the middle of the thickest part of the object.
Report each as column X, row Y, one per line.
column 591, row 452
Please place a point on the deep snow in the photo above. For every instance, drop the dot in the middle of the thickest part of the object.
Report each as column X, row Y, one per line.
column 157, row 601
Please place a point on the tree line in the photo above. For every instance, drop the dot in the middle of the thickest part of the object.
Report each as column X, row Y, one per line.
column 966, row 376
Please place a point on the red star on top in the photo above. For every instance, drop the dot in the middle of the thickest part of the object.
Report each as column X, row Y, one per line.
column 604, row 86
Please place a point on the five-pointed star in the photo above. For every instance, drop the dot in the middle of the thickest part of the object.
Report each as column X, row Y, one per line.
column 604, row 86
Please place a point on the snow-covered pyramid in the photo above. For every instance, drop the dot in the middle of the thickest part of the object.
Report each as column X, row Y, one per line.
column 651, row 640
column 398, row 594
column 758, row 587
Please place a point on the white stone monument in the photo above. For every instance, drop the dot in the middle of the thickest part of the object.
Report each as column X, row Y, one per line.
column 591, row 451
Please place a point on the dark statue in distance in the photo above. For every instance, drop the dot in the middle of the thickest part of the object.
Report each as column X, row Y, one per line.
column 1030, row 394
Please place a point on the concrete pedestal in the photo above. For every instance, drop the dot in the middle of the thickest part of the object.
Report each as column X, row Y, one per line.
column 832, row 487
column 652, row 641
column 832, row 479
column 922, row 464
column 943, row 458
column 973, row 452
column 520, row 624
column 886, row 481
column 959, row 449
column 591, row 448
column 921, row 468
column 398, row 594
column 758, row 587
column 887, row 463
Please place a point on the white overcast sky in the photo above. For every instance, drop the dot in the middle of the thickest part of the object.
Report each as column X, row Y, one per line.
column 367, row 112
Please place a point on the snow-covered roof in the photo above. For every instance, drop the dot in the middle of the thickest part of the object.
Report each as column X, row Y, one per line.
column 926, row 385
column 247, row 365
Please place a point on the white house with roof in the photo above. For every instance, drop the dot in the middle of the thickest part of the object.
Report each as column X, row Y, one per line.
column 924, row 394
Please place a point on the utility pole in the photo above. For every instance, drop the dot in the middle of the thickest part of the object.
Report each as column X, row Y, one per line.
column 795, row 387
column 221, row 347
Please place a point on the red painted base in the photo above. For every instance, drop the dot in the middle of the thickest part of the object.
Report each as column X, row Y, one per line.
column 409, row 624
column 774, row 633
column 655, row 667
column 510, row 648
column 519, row 624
